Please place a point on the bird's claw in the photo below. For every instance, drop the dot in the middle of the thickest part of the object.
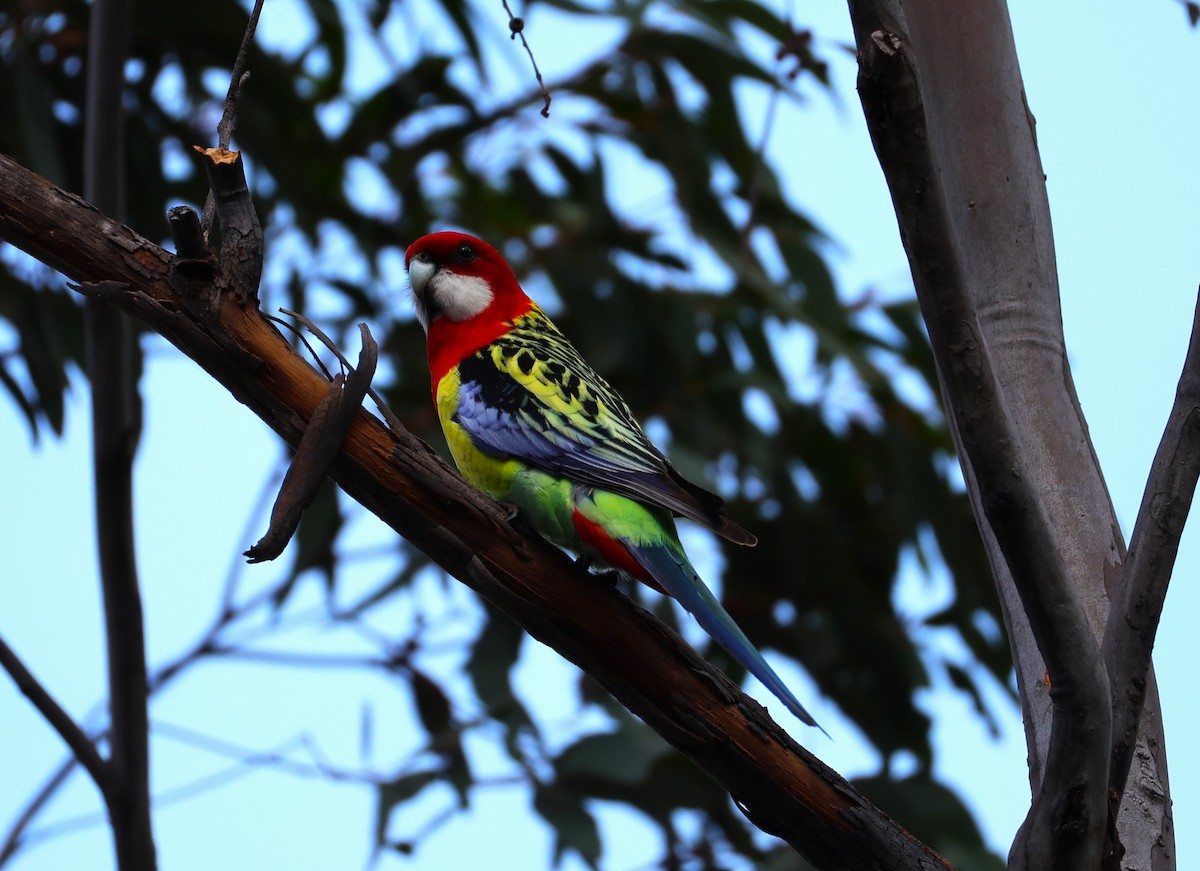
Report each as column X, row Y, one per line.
column 510, row 509
column 608, row 577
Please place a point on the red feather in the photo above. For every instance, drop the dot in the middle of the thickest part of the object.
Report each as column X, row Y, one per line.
column 612, row 551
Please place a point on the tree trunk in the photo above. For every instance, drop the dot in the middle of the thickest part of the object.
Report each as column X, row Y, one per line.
column 942, row 92
column 114, row 365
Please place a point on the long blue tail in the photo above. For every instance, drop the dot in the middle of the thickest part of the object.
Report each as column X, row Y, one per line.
column 676, row 575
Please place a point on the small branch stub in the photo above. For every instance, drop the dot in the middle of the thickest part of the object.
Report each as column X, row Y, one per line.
column 241, row 234
column 187, row 233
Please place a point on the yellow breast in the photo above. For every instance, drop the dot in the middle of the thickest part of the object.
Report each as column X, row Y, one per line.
column 492, row 476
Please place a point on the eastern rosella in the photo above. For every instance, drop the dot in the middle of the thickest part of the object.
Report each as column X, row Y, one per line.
column 530, row 423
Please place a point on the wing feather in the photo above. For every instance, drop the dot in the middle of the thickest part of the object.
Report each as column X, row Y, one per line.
column 530, row 395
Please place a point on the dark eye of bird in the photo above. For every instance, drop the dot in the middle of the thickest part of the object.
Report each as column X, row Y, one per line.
column 465, row 253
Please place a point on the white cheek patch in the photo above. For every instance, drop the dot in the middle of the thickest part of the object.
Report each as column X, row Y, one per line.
column 460, row 297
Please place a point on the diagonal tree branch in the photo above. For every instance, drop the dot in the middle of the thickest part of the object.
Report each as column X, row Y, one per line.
column 15, row 838
column 209, row 644
column 81, row 745
column 1138, row 601
column 779, row 785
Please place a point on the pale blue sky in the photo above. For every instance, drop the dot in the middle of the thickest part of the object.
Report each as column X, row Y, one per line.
column 1114, row 96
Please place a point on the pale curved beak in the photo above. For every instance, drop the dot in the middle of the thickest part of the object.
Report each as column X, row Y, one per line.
column 419, row 274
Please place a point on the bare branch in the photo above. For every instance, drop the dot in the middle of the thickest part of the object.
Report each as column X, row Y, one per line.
column 209, row 644
column 1138, row 600
column 247, row 759
column 389, row 416
column 238, row 78
column 303, row 660
column 81, row 745
column 16, row 837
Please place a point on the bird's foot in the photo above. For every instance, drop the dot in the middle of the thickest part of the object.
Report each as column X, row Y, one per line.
column 510, row 509
column 608, row 577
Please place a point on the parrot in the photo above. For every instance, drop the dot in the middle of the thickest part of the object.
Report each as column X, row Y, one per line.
column 531, row 424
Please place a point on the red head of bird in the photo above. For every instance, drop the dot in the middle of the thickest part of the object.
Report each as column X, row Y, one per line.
column 465, row 295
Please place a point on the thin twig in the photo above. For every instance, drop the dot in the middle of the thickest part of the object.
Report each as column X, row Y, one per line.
column 247, row 762
column 74, row 737
column 389, row 416
column 754, row 189
column 19, row 835
column 309, row 325
column 312, row 352
column 16, row 838
column 303, row 660
column 248, row 758
column 516, row 27
column 238, row 78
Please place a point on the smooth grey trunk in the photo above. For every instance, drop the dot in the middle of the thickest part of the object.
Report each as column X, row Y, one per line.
column 985, row 173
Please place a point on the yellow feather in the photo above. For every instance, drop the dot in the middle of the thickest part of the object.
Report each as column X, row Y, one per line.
column 491, row 475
